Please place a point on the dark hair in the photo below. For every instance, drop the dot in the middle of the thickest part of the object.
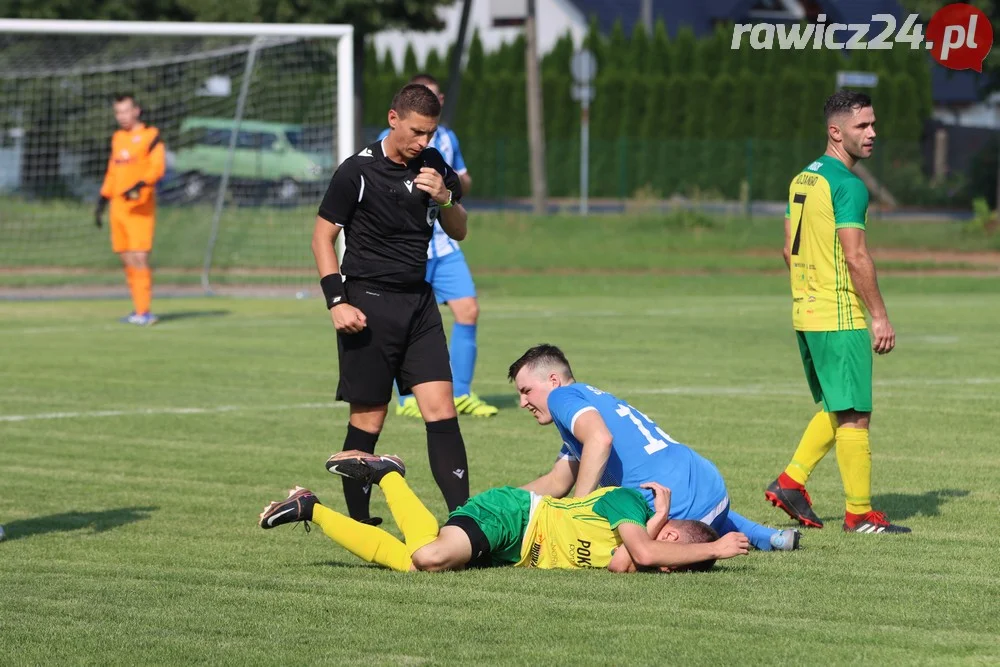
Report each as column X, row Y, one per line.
column 425, row 79
column 845, row 101
column 540, row 354
column 696, row 532
column 416, row 98
column 121, row 97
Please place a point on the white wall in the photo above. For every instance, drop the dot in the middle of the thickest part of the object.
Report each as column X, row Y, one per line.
column 984, row 114
column 555, row 17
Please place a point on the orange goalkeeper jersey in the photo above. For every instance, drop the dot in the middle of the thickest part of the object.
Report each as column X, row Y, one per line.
column 137, row 155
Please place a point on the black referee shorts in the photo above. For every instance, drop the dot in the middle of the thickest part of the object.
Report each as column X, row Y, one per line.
column 403, row 341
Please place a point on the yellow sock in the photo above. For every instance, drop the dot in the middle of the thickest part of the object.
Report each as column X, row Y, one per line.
column 854, row 456
column 418, row 525
column 817, row 440
column 366, row 542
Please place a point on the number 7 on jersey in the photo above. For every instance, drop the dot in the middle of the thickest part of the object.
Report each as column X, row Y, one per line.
column 800, row 198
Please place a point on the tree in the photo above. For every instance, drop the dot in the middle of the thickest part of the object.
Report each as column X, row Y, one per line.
column 374, row 67
column 435, row 67
column 684, row 51
column 366, row 17
column 476, row 64
column 637, row 57
column 556, row 62
column 617, row 54
column 909, row 122
column 595, row 42
column 659, row 50
column 388, row 64
column 410, row 65
column 715, row 53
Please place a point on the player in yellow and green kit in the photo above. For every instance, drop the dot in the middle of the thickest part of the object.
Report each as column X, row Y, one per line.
column 611, row 528
column 833, row 281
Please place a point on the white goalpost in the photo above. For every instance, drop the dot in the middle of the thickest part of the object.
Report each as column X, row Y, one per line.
column 254, row 118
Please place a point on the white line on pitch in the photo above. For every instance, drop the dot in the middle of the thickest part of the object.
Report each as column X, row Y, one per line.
column 164, row 326
column 143, row 412
column 782, row 388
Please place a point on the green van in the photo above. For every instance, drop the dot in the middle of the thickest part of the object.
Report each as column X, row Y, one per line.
column 282, row 161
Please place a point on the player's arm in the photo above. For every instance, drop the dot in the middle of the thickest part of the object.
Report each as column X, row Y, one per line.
column 648, row 552
column 157, row 164
column 593, row 433
column 661, row 507
column 454, row 220
column 557, row 482
column 850, row 206
column 458, row 164
column 621, row 560
column 335, row 212
column 861, row 266
column 443, row 185
column 324, row 248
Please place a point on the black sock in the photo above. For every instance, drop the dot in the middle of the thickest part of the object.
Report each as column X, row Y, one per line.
column 446, row 451
column 355, row 493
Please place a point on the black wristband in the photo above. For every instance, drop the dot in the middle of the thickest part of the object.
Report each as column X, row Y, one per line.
column 333, row 289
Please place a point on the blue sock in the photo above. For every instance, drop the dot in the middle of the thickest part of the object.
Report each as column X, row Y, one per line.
column 463, row 357
column 760, row 536
column 401, row 397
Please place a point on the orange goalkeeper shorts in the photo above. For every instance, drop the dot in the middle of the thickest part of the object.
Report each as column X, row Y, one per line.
column 132, row 234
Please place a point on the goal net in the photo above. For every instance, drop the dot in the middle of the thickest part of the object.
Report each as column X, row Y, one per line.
column 254, row 119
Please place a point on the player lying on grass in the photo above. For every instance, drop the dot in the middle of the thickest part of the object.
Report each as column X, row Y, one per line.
column 611, row 528
column 607, row 442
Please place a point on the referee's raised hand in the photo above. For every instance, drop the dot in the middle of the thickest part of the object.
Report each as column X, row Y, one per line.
column 348, row 319
column 430, row 181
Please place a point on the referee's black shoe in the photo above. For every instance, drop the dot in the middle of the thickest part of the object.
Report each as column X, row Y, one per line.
column 794, row 502
column 364, row 467
column 298, row 506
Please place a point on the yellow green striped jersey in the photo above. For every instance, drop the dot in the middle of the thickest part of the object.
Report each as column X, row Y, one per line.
column 572, row 533
column 824, row 197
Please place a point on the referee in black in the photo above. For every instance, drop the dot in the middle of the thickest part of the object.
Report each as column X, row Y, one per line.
column 386, row 199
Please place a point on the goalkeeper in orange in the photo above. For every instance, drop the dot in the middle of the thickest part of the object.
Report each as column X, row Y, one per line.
column 136, row 164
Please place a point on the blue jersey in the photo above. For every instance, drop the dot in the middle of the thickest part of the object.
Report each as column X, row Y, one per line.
column 445, row 141
column 641, row 452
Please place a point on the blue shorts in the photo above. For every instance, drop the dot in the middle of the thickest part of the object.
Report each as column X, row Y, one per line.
column 450, row 277
column 717, row 516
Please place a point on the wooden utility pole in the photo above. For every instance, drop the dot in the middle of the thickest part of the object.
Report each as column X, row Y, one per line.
column 536, row 127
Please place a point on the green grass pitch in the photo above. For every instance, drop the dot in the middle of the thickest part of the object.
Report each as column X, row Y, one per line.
column 135, row 461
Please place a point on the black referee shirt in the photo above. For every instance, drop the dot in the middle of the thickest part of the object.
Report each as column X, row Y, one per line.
column 387, row 219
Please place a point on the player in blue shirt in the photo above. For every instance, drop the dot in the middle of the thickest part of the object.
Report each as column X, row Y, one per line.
column 607, row 442
column 449, row 276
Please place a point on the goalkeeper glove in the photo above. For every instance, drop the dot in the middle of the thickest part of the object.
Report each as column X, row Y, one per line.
column 102, row 203
column 133, row 192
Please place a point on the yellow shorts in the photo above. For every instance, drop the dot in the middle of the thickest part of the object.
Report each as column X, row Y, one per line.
column 132, row 234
